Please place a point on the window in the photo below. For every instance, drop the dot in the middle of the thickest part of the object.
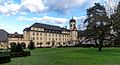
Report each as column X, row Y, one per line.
column 49, row 38
column 37, row 38
column 32, row 28
column 59, row 35
column 74, row 25
column 1, row 45
column 59, row 38
column 33, row 33
column 37, row 43
column 37, row 29
column 37, row 34
column 40, row 38
column 52, row 39
column 52, row 34
column 45, row 38
column 45, row 34
column 56, row 39
column 33, row 38
column 56, row 35
column 49, row 35
column 40, row 34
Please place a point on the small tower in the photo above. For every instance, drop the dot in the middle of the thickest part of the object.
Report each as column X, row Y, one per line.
column 72, row 23
column 73, row 31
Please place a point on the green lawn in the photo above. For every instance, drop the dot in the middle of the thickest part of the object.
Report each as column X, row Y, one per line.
column 69, row 56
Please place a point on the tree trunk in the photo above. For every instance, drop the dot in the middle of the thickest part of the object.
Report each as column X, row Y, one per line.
column 100, row 45
column 96, row 44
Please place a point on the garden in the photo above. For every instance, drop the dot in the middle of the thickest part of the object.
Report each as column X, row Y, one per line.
column 69, row 56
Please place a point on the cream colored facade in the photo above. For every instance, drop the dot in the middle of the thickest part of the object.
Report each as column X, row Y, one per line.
column 17, row 40
column 39, row 36
column 3, row 45
column 44, row 35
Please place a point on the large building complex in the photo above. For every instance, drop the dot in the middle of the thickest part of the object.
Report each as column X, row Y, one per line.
column 44, row 35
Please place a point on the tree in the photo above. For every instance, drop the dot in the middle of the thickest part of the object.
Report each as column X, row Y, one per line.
column 12, row 45
column 31, row 45
column 98, row 25
column 115, row 21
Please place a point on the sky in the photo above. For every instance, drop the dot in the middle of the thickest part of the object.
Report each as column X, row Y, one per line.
column 15, row 15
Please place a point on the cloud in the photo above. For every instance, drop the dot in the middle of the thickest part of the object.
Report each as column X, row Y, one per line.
column 9, row 7
column 63, row 6
column 47, row 19
column 80, row 21
column 23, row 13
column 41, row 6
column 33, row 5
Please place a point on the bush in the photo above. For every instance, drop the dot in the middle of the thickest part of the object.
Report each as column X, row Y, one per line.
column 31, row 45
column 20, row 54
column 17, row 48
column 17, row 51
column 78, row 45
column 4, row 57
column 88, row 45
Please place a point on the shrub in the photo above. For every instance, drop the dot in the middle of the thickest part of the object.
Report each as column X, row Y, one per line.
column 4, row 57
column 31, row 45
column 13, row 45
column 88, row 45
column 17, row 48
column 17, row 51
column 78, row 45
column 20, row 54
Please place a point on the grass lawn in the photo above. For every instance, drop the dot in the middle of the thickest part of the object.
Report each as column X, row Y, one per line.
column 69, row 56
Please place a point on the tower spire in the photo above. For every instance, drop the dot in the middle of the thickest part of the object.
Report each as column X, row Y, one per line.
column 72, row 24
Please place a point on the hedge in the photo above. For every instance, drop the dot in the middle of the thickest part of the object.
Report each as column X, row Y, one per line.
column 19, row 54
column 4, row 57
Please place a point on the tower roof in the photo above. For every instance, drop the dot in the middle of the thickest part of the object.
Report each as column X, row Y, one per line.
column 72, row 20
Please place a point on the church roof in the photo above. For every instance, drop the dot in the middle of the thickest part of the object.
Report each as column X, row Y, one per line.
column 46, row 26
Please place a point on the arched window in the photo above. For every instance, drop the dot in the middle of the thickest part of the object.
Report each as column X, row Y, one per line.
column 12, row 44
column 23, row 45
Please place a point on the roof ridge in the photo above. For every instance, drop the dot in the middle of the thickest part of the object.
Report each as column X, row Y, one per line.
column 47, row 24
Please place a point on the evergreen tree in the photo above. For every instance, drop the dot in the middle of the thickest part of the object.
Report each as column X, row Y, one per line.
column 98, row 26
column 31, row 45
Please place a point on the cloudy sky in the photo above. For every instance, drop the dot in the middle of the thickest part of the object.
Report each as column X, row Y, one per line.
column 15, row 15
